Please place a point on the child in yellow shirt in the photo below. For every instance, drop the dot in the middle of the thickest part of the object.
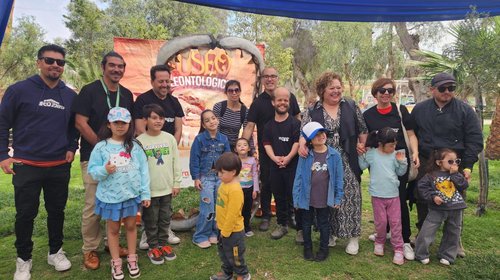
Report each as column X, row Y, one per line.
column 228, row 207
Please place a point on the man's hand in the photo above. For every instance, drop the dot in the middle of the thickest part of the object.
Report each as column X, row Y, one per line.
column 146, row 203
column 6, row 165
column 110, row 168
column 303, row 150
column 175, row 192
column 438, row 200
column 70, row 156
column 197, row 184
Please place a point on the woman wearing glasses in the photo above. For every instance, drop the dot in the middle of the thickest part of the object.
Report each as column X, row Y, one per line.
column 232, row 113
column 387, row 114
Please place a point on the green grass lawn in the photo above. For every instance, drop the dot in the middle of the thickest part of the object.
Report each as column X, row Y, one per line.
column 266, row 258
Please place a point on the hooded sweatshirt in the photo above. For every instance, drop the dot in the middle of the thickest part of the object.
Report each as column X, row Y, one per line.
column 41, row 121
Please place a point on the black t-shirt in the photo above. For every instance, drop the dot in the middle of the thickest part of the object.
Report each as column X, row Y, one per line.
column 262, row 110
column 375, row 121
column 170, row 104
column 91, row 102
column 281, row 136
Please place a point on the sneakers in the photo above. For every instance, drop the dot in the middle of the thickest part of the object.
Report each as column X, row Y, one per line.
column 444, row 262
column 279, row 232
column 167, row 253
column 59, row 260
column 398, row 258
column 308, row 254
column 143, row 244
column 221, row 275
column 172, row 238
column 425, row 261
column 133, row 266
column 249, row 233
column 244, row 277
column 372, row 236
column 353, row 246
column 213, row 240
column 91, row 260
column 264, row 225
column 155, row 256
column 378, row 249
column 23, row 269
column 203, row 244
column 321, row 255
column 117, row 269
column 408, row 252
column 332, row 241
column 299, row 237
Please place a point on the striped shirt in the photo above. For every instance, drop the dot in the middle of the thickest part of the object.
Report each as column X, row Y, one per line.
column 230, row 123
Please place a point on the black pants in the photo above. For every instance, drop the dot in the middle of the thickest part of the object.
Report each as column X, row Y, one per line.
column 28, row 183
column 265, row 185
column 231, row 252
column 282, row 184
column 322, row 218
column 246, row 211
column 405, row 213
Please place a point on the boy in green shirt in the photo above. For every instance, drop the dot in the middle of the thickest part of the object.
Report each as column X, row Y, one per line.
column 164, row 169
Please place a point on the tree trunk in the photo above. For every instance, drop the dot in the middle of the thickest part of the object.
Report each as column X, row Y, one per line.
column 410, row 44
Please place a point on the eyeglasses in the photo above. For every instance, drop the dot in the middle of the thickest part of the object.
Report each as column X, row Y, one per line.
column 384, row 90
column 270, row 77
column 452, row 161
column 450, row 88
column 233, row 90
column 50, row 61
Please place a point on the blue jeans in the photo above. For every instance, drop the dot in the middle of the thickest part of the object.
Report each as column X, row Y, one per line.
column 205, row 225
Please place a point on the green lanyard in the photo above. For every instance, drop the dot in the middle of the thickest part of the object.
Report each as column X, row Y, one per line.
column 117, row 103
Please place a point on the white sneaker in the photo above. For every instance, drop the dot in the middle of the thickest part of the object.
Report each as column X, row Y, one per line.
column 172, row 238
column 408, row 252
column 332, row 241
column 143, row 244
column 23, row 269
column 353, row 246
column 444, row 262
column 59, row 261
column 372, row 236
column 425, row 261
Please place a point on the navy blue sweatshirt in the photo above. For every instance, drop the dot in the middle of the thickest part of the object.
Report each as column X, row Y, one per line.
column 41, row 120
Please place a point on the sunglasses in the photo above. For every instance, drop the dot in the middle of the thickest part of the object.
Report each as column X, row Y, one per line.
column 50, row 61
column 452, row 161
column 384, row 90
column 236, row 90
column 441, row 89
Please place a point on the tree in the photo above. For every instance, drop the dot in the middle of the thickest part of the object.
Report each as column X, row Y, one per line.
column 18, row 55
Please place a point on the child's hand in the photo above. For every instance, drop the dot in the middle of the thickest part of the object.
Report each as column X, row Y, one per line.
column 110, row 168
column 175, row 192
column 453, row 169
column 438, row 200
column 197, row 184
column 400, row 156
column 146, row 203
column 254, row 194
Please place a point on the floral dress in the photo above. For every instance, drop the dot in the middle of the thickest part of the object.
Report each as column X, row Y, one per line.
column 345, row 222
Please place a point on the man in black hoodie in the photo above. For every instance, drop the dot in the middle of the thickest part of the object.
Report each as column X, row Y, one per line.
column 45, row 139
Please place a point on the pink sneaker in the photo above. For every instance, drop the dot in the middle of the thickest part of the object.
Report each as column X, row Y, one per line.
column 213, row 240
column 399, row 258
column 379, row 250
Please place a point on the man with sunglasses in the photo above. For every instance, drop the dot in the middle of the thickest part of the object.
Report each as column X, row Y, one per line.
column 444, row 121
column 45, row 139
column 91, row 107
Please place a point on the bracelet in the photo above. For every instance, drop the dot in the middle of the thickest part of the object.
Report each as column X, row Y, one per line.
column 468, row 170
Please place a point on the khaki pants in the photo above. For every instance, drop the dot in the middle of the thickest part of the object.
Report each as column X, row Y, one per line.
column 91, row 227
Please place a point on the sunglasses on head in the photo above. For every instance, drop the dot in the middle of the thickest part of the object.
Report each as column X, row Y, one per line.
column 50, row 61
column 441, row 89
column 384, row 90
column 235, row 90
column 452, row 161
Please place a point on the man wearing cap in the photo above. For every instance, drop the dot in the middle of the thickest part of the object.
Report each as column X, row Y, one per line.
column 91, row 107
column 444, row 121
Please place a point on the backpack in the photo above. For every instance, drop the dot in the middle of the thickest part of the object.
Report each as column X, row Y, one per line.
column 243, row 110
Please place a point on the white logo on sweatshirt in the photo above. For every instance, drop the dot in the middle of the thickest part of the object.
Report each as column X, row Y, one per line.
column 284, row 139
column 51, row 103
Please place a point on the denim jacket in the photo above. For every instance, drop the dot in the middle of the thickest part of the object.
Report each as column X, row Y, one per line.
column 302, row 182
column 205, row 151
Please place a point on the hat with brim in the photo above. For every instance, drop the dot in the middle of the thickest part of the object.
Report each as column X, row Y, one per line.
column 119, row 114
column 310, row 130
column 442, row 78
